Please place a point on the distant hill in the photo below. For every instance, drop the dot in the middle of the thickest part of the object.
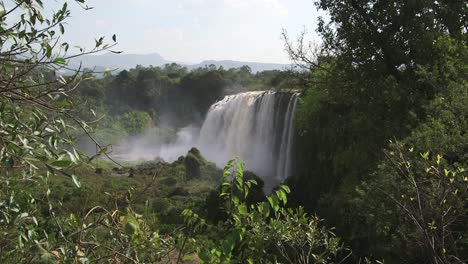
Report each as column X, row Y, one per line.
column 230, row 64
column 119, row 61
column 128, row 61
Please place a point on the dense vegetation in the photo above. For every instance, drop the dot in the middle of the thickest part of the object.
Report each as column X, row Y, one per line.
column 382, row 148
column 167, row 98
column 172, row 93
column 390, row 78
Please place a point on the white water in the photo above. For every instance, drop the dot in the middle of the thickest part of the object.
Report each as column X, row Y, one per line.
column 254, row 126
column 257, row 127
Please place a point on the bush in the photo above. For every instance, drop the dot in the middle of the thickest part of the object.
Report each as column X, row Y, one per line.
column 414, row 206
column 263, row 232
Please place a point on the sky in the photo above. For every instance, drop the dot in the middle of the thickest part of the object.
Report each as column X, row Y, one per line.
column 195, row 30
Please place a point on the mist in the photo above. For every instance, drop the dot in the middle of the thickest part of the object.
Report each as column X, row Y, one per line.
column 255, row 127
column 152, row 145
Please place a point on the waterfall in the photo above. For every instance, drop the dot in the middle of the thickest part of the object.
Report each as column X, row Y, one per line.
column 257, row 127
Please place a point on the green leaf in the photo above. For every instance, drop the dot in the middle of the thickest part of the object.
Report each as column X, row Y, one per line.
column 240, row 169
column 216, row 252
column 60, row 61
column 48, row 50
column 65, row 45
column 235, row 200
column 286, row 188
column 425, row 155
column 76, row 181
column 131, row 226
column 242, row 209
column 282, row 196
column 99, row 41
column 61, row 104
column 273, row 200
column 265, row 209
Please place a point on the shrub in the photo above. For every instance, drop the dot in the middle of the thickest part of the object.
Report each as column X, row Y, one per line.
column 264, row 232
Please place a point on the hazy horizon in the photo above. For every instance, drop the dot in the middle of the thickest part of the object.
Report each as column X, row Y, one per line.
column 191, row 31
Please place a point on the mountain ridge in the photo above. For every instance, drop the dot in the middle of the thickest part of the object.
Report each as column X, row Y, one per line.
column 128, row 61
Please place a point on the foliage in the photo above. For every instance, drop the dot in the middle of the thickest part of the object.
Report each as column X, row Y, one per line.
column 136, row 122
column 362, row 92
column 413, row 205
column 38, row 114
column 390, row 37
column 105, row 202
column 372, row 80
column 173, row 95
column 264, row 232
column 444, row 135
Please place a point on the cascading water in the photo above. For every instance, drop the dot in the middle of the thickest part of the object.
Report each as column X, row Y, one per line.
column 257, row 127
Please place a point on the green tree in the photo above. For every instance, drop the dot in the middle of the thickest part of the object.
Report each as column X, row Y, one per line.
column 371, row 81
column 368, row 82
column 390, row 37
column 203, row 88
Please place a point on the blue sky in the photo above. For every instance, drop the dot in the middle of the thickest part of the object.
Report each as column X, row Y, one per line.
column 195, row 30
